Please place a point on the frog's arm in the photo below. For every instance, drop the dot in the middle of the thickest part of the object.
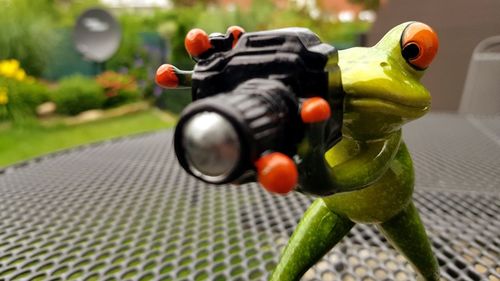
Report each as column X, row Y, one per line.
column 367, row 165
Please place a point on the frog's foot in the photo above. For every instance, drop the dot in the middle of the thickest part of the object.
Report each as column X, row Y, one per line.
column 406, row 233
column 318, row 231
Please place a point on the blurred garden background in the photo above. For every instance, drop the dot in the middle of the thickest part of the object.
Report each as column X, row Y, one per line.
column 51, row 98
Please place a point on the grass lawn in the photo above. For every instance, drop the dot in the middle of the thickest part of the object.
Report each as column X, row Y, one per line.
column 17, row 144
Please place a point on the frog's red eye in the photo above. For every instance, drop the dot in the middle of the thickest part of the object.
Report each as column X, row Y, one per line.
column 419, row 45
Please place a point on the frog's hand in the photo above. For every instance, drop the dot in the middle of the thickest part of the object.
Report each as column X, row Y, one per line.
column 199, row 45
column 278, row 173
column 169, row 76
column 369, row 164
column 314, row 173
column 366, row 166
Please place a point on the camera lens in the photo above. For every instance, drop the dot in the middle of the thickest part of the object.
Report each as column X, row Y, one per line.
column 218, row 138
column 211, row 144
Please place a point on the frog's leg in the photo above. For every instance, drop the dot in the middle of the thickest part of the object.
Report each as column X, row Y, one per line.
column 406, row 233
column 318, row 231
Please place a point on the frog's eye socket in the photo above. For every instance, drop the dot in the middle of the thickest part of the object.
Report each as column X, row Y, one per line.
column 419, row 45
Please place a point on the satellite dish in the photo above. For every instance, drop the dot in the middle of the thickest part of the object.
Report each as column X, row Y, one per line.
column 97, row 35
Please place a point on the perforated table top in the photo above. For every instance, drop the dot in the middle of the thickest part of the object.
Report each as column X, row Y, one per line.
column 125, row 210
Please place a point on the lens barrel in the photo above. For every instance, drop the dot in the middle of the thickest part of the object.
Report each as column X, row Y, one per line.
column 218, row 138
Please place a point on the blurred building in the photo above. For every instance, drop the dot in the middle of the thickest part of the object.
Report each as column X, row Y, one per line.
column 344, row 9
column 137, row 4
column 246, row 4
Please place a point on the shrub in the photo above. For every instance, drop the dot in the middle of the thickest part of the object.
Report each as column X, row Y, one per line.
column 78, row 93
column 30, row 94
column 140, row 50
column 19, row 93
column 130, row 45
column 4, row 100
column 118, row 88
column 174, row 100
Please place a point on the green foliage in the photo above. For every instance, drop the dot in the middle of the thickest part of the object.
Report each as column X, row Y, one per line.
column 174, row 25
column 174, row 100
column 66, row 11
column 258, row 17
column 118, row 88
column 30, row 95
column 343, row 34
column 28, row 33
column 23, row 98
column 181, row 3
column 78, row 93
column 124, row 96
column 133, row 57
column 368, row 4
column 130, row 46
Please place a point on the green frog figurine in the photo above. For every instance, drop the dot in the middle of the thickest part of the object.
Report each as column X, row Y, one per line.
column 371, row 166
column 367, row 177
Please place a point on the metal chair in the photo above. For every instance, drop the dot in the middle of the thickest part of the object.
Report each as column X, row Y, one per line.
column 482, row 86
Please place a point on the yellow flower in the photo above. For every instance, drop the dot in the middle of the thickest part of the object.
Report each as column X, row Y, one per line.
column 14, row 64
column 12, row 69
column 20, row 75
column 8, row 68
column 4, row 98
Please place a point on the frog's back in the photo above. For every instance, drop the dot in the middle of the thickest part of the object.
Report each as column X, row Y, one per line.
column 382, row 199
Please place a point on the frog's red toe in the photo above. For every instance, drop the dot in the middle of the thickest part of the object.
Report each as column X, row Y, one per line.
column 166, row 76
column 277, row 172
column 314, row 110
column 197, row 42
column 236, row 32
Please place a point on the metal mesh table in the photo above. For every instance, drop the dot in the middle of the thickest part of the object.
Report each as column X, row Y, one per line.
column 124, row 210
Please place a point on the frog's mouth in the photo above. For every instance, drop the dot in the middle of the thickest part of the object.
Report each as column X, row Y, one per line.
column 371, row 104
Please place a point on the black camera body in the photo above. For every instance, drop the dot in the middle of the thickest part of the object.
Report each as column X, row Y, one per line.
column 256, row 87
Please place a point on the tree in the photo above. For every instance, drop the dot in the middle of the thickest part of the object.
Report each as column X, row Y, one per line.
column 190, row 3
column 368, row 4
